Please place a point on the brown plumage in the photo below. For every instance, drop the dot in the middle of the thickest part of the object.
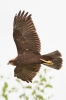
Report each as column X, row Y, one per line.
column 29, row 59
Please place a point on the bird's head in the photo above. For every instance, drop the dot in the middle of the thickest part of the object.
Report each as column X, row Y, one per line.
column 11, row 62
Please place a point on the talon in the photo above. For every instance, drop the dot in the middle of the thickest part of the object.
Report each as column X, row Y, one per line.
column 48, row 63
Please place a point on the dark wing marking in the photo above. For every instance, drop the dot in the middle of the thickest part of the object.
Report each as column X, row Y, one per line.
column 27, row 73
column 24, row 34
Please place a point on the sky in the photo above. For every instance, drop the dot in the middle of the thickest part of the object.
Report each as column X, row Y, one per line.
column 49, row 17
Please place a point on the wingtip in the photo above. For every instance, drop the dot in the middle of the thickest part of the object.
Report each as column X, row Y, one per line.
column 19, row 13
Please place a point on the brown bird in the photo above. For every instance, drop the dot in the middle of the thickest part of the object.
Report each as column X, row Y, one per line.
column 29, row 59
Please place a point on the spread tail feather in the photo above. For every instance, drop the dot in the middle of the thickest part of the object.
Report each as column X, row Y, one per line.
column 52, row 60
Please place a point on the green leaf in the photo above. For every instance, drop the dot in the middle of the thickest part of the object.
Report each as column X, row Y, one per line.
column 13, row 89
column 4, row 87
column 18, row 80
column 26, row 98
column 35, row 82
column 22, row 95
column 48, row 86
column 1, row 76
column 5, row 96
column 41, row 83
column 45, row 70
column 34, row 92
column 28, row 87
column 43, row 79
column 50, row 77
column 42, row 91
column 38, row 88
column 40, row 76
column 39, row 97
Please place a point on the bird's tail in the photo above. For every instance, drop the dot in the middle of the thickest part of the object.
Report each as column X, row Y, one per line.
column 52, row 59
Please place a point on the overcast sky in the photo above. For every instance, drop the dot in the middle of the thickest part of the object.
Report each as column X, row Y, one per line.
column 49, row 17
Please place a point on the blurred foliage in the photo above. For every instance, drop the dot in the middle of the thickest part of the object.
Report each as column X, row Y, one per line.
column 29, row 91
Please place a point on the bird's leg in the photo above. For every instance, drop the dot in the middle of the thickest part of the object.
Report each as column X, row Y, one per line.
column 48, row 63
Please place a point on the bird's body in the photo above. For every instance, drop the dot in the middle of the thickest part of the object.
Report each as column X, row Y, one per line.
column 32, row 59
column 29, row 59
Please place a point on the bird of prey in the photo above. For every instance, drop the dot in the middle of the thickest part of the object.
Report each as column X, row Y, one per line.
column 29, row 59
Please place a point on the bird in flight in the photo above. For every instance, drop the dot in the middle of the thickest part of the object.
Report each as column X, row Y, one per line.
column 29, row 60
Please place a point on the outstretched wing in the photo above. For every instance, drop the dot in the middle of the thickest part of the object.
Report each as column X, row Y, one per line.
column 24, row 34
column 27, row 73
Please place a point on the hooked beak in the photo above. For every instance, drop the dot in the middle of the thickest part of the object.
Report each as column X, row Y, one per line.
column 8, row 63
